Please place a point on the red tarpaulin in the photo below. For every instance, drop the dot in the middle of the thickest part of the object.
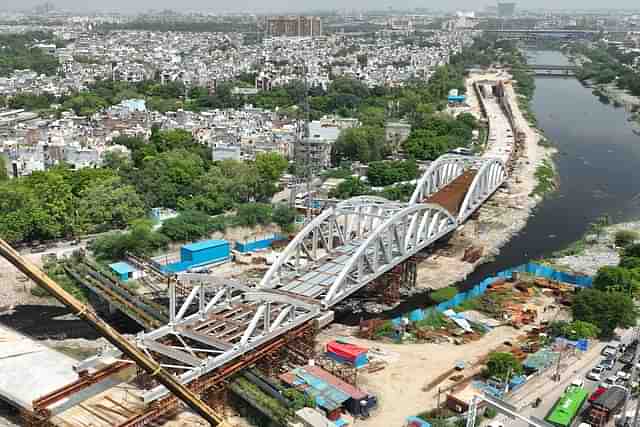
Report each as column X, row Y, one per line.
column 345, row 350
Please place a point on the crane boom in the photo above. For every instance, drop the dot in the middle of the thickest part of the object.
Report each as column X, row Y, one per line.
column 113, row 336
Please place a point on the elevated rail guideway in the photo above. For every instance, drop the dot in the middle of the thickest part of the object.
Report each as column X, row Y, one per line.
column 336, row 254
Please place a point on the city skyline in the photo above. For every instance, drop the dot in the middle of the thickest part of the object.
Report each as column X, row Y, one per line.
column 279, row 6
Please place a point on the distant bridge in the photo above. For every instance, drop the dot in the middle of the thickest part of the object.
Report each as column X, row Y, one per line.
column 553, row 70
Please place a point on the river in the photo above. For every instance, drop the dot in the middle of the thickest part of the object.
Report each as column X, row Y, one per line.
column 598, row 168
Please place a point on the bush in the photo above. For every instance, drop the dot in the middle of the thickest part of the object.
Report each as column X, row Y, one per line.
column 191, row 225
column 251, row 214
column 444, row 294
column 502, row 365
column 625, row 238
column 490, row 412
column 284, row 216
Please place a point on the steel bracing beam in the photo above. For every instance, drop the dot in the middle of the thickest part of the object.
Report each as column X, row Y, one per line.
column 128, row 348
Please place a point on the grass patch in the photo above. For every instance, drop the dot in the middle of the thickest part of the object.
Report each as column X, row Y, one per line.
column 470, row 304
column 444, row 294
column 545, row 175
column 575, row 248
column 55, row 270
column 545, row 142
column 433, row 320
column 386, row 330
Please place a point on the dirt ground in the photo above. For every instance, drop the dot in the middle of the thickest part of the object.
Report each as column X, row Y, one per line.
column 400, row 386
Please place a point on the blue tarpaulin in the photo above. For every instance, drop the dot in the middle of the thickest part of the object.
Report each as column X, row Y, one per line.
column 479, row 289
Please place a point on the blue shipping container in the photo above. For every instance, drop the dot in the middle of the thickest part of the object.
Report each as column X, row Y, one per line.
column 207, row 251
column 256, row 244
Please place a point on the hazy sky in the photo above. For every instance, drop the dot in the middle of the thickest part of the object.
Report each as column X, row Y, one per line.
column 280, row 5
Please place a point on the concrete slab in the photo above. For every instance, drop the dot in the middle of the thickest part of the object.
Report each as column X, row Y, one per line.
column 29, row 370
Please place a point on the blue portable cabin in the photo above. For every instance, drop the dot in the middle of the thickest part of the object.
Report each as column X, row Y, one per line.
column 205, row 252
column 456, row 98
column 123, row 270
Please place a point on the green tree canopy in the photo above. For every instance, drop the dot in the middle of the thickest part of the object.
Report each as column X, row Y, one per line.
column 616, row 279
column 502, row 365
column 364, row 144
column 606, row 310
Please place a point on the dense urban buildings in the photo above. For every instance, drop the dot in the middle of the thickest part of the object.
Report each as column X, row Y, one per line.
column 294, row 26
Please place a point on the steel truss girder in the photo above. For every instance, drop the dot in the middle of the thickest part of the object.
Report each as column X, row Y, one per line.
column 441, row 172
column 401, row 236
column 491, row 175
column 350, row 219
column 274, row 314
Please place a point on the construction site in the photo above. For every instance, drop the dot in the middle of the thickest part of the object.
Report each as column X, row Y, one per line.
column 219, row 325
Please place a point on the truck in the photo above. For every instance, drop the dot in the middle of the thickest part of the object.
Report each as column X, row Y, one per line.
column 607, row 404
column 567, row 407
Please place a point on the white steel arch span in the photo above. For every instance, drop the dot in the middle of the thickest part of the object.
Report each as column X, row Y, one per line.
column 491, row 175
column 399, row 237
column 441, row 172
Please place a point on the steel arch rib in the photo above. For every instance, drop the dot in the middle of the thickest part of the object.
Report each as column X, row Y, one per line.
column 491, row 175
column 437, row 222
column 293, row 246
column 452, row 166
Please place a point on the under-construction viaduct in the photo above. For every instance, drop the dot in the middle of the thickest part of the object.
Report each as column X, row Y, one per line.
column 223, row 327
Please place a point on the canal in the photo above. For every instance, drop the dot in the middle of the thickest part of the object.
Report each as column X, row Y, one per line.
column 598, row 167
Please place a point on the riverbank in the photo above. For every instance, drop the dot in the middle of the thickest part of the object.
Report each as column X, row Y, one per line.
column 593, row 251
column 504, row 215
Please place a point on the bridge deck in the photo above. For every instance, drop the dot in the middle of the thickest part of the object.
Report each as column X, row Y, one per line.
column 315, row 282
column 452, row 195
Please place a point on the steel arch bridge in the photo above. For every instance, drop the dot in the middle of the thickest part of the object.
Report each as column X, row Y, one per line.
column 334, row 255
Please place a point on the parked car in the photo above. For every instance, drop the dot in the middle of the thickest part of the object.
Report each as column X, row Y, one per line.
column 622, row 374
column 608, row 364
column 578, row 382
column 595, row 374
column 608, row 382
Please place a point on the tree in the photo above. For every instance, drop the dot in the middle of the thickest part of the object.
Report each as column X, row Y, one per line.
column 364, row 144
column 140, row 239
column 271, row 166
column 615, row 279
column 372, row 116
column 251, row 214
column 4, row 175
column 350, row 187
column 390, row 172
column 169, row 176
column 632, row 251
column 503, row 366
column 575, row 330
column 191, row 225
column 630, row 262
column 104, row 205
column 284, row 216
column 605, row 310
